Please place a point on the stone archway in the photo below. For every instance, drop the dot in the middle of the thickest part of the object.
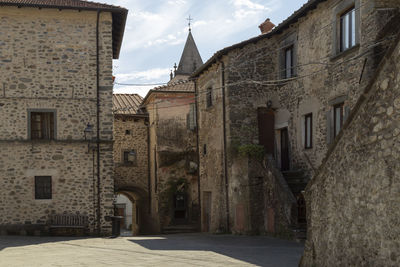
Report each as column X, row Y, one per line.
column 140, row 209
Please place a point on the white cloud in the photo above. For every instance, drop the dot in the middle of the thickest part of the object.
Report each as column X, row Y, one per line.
column 249, row 4
column 146, row 75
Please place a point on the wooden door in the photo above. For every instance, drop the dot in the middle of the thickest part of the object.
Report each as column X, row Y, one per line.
column 121, row 212
column 285, row 161
column 206, row 211
column 266, row 132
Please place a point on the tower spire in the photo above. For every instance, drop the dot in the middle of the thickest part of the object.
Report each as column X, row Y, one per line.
column 190, row 23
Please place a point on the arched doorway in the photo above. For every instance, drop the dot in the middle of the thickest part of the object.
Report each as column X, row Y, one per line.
column 132, row 204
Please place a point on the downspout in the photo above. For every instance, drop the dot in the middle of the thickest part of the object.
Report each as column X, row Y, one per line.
column 148, row 163
column 196, row 103
column 225, row 150
column 98, row 121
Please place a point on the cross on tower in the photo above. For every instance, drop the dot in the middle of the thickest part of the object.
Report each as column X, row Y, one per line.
column 190, row 22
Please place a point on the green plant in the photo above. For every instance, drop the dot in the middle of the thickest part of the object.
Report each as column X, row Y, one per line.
column 251, row 150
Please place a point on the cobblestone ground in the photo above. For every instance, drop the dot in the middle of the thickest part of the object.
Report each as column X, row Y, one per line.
column 168, row 250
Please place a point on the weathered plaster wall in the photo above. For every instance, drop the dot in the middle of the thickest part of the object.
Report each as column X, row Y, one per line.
column 172, row 155
column 48, row 61
column 354, row 199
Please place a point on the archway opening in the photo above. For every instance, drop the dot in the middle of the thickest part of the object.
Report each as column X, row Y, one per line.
column 126, row 206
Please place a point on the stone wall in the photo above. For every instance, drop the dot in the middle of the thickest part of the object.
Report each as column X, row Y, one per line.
column 132, row 179
column 48, row 62
column 323, row 77
column 211, row 152
column 353, row 200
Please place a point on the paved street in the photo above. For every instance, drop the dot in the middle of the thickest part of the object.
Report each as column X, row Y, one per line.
column 167, row 250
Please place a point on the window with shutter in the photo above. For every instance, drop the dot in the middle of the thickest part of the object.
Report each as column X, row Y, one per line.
column 43, row 188
column 42, row 126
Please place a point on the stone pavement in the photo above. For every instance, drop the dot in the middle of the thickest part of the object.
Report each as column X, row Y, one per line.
column 164, row 250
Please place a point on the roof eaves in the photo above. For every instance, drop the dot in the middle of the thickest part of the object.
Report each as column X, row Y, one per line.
column 310, row 5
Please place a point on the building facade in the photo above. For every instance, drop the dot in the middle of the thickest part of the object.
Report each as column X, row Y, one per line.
column 131, row 155
column 270, row 107
column 56, row 69
column 172, row 148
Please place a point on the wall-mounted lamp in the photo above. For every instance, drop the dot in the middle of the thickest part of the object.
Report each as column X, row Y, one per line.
column 88, row 132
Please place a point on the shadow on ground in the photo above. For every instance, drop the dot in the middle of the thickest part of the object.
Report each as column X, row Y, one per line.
column 258, row 250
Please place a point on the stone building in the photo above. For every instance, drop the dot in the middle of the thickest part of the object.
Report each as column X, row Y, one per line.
column 131, row 171
column 354, row 198
column 268, row 109
column 172, row 148
column 56, row 78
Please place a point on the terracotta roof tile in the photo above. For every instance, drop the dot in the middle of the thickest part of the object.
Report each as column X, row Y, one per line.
column 181, row 86
column 127, row 104
column 61, row 3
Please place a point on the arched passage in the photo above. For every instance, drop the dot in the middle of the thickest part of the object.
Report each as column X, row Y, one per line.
column 138, row 209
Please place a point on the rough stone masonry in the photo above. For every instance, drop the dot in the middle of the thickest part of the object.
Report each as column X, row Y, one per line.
column 48, row 69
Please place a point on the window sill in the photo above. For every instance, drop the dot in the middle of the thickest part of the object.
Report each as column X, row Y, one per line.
column 346, row 52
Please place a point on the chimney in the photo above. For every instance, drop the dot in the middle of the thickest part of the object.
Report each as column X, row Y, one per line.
column 266, row 26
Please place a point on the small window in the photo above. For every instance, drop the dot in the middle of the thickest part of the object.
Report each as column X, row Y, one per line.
column 205, row 149
column 130, row 157
column 289, row 62
column 337, row 118
column 209, row 99
column 127, row 132
column 43, row 187
column 348, row 30
column 308, row 131
column 42, row 125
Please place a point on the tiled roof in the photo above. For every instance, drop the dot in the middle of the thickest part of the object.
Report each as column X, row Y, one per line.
column 186, row 86
column 126, row 104
column 60, row 3
column 181, row 86
column 119, row 14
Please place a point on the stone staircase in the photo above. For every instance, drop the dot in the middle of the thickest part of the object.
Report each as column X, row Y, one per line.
column 297, row 181
column 180, row 229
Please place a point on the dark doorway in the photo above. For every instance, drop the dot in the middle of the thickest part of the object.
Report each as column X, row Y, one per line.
column 266, row 132
column 206, row 211
column 180, row 207
column 301, row 209
column 285, row 165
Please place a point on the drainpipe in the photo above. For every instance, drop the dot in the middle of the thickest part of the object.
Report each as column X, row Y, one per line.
column 148, row 164
column 196, row 103
column 98, row 122
column 225, row 150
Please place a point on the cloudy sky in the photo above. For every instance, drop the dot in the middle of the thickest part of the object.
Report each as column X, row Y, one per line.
column 156, row 32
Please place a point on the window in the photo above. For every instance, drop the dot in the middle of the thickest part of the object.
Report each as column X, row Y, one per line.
column 348, row 30
column 130, row 157
column 337, row 118
column 209, row 99
column 289, row 62
column 127, row 132
column 43, row 187
column 204, row 149
column 191, row 118
column 308, row 131
column 42, row 125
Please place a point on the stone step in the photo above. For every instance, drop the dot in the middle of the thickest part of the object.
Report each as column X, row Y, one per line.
column 180, row 229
